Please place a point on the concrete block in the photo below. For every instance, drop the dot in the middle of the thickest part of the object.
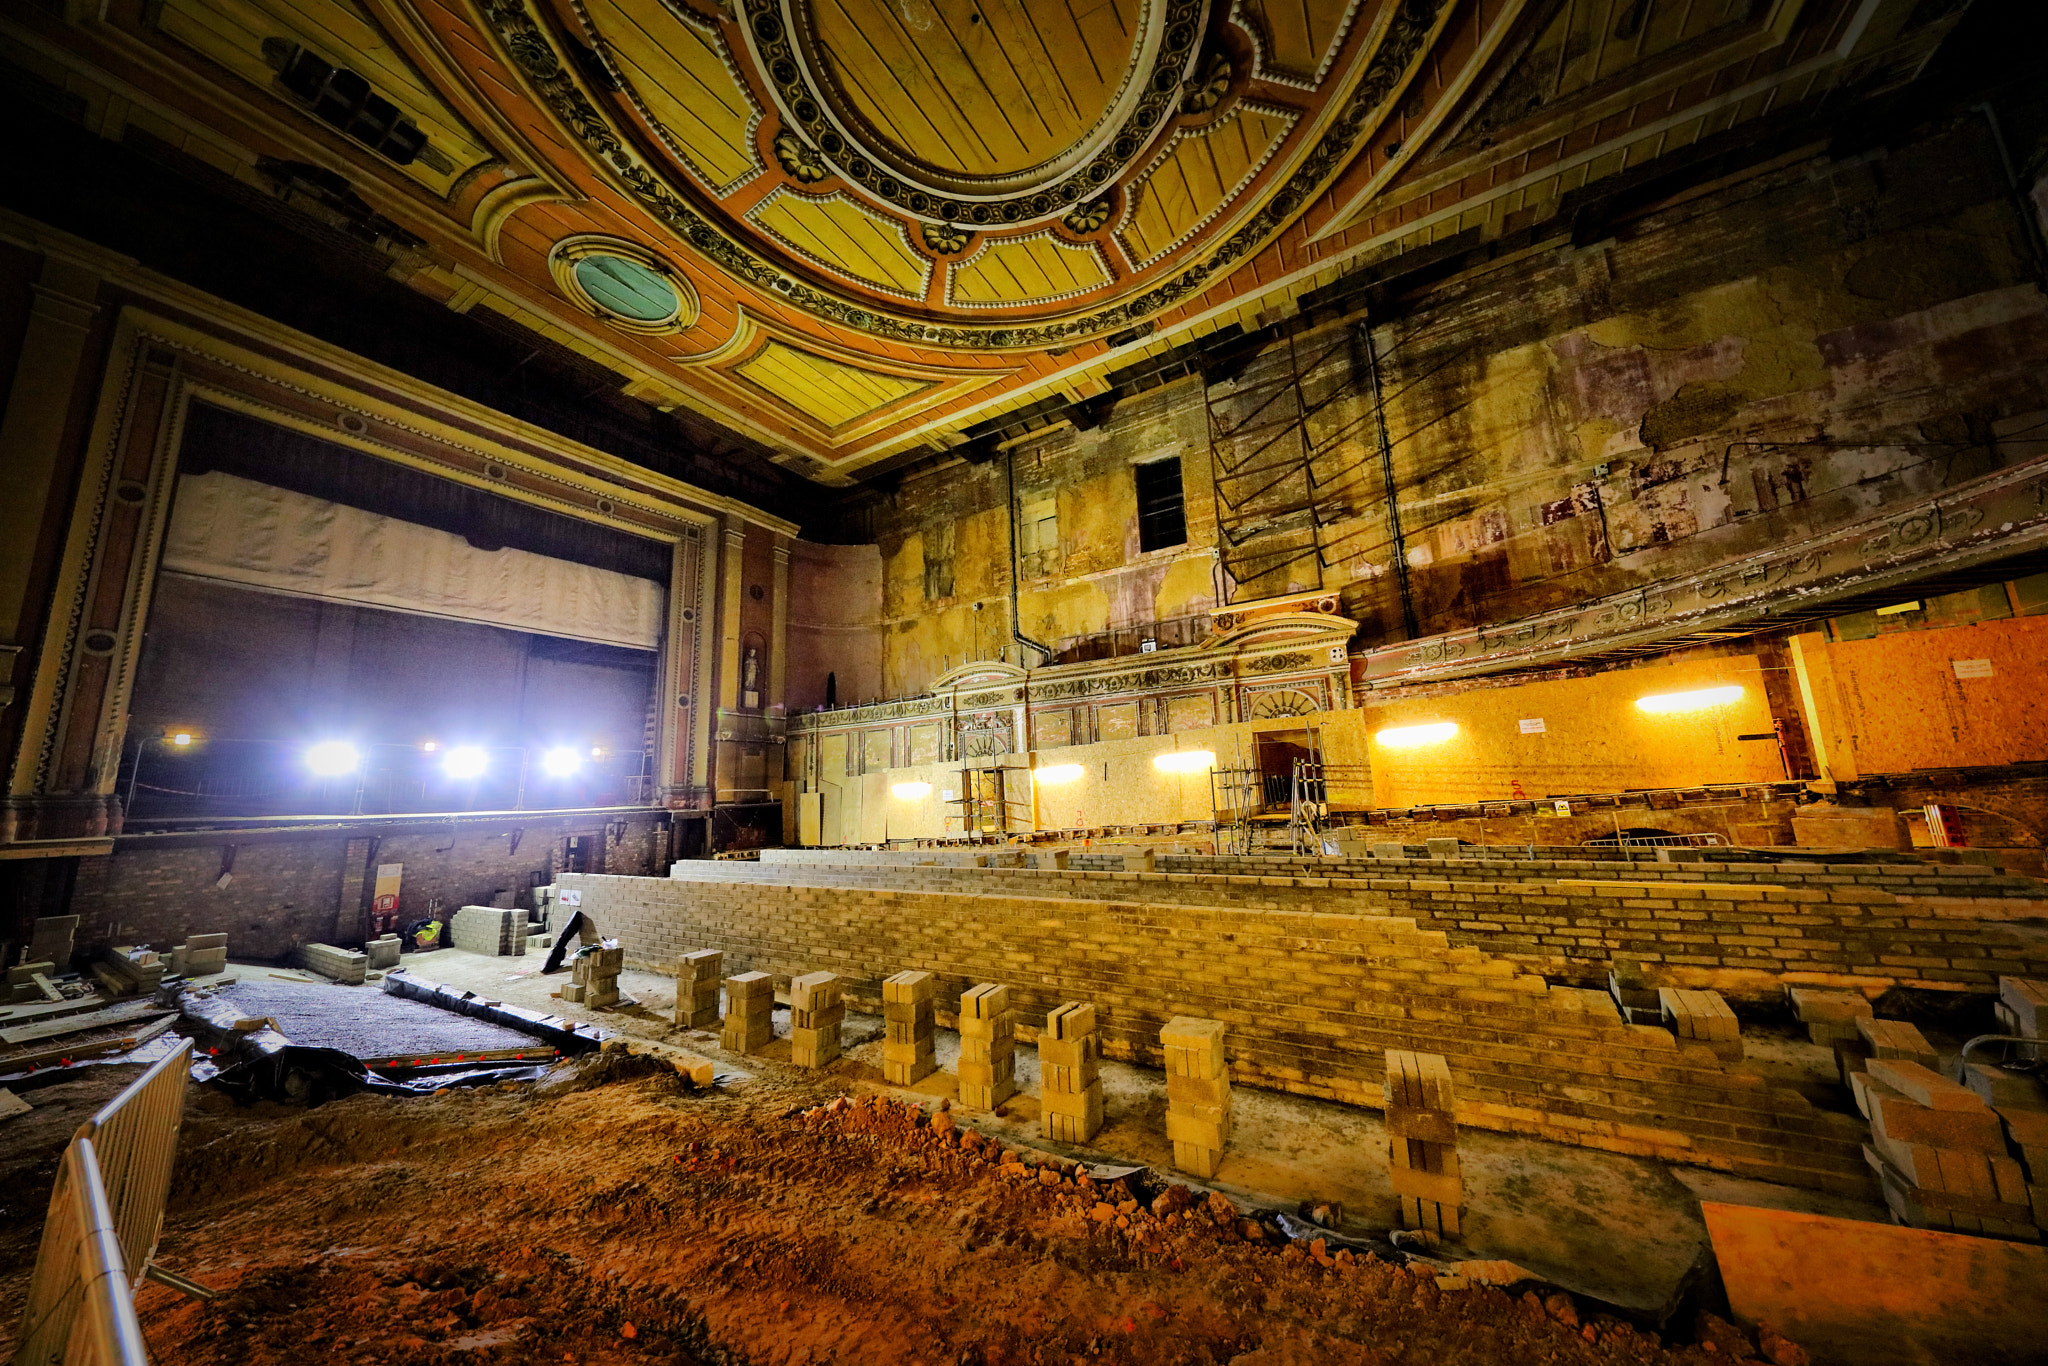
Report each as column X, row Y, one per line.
column 1813, row 1005
column 1899, row 1117
column 1923, row 1085
column 496, row 930
column 343, row 965
column 1899, row 1040
column 383, row 954
column 2005, row 1090
column 1443, row 848
column 749, row 1013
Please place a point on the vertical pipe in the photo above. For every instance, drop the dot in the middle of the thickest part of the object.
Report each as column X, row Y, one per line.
column 1379, row 411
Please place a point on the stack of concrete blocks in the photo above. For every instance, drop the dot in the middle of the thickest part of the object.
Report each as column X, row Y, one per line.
column 594, row 975
column 909, row 1053
column 1197, row 1094
column 129, row 970
column 30, row 982
column 200, row 955
column 697, row 978
column 1892, row 1040
column 2022, row 1010
column 383, row 952
column 345, row 966
column 749, row 1013
column 499, row 931
column 1702, row 1017
column 1829, row 1016
column 1939, row 1153
column 1638, row 1001
column 815, row 1014
column 1422, row 1134
column 1070, row 1075
column 988, row 1047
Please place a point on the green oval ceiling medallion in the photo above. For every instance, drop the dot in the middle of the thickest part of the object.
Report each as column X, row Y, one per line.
column 627, row 288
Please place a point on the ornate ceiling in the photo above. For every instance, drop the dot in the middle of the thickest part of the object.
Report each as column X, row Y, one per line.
column 851, row 228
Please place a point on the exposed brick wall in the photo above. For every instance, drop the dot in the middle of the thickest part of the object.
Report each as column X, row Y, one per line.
column 1745, row 941
column 1313, row 1002
column 290, row 891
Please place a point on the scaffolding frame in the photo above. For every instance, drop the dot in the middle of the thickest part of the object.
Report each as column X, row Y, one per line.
column 985, row 806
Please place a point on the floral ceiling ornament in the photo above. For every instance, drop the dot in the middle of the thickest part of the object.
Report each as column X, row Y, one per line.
column 1205, row 90
column 945, row 238
column 799, row 159
column 1089, row 217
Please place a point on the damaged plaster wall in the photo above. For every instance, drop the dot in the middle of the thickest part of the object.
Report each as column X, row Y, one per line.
column 1735, row 372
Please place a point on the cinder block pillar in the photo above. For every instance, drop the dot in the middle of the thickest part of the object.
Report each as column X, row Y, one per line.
column 988, row 1045
column 697, row 988
column 907, row 1049
column 355, row 881
column 594, row 976
column 1070, row 1069
column 1422, row 1140
column 815, row 1013
column 749, row 1013
column 1197, row 1094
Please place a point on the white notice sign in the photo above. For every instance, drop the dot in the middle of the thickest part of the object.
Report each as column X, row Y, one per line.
column 1532, row 725
column 1971, row 668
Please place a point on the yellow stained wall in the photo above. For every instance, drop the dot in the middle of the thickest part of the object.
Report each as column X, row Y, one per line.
column 1595, row 738
column 1119, row 784
column 1894, row 703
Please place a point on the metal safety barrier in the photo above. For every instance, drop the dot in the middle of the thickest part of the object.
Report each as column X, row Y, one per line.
column 101, row 1232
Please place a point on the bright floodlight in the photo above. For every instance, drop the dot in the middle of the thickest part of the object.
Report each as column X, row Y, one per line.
column 464, row 761
column 561, row 761
column 1184, row 761
column 1408, row 737
column 910, row 792
column 182, row 738
column 332, row 758
column 1689, row 701
column 1056, row 773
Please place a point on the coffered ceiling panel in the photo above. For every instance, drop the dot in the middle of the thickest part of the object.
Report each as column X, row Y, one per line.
column 673, row 63
column 1016, row 271
column 1197, row 178
column 893, row 221
column 1296, row 38
column 972, row 91
column 844, row 236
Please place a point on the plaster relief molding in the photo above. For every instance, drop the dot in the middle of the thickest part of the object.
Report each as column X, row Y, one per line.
column 1988, row 519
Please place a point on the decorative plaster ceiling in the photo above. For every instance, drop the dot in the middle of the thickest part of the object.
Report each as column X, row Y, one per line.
column 890, row 219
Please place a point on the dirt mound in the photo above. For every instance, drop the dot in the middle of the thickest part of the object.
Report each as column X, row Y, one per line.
column 621, row 1218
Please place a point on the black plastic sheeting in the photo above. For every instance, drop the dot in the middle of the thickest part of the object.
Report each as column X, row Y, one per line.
column 298, row 1075
column 568, row 1037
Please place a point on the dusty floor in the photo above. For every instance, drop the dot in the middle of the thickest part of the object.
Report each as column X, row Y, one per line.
column 759, row 1221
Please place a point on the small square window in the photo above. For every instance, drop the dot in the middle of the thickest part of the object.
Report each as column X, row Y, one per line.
column 1162, row 511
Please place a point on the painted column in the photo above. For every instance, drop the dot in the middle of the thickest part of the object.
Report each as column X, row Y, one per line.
column 778, row 629
column 38, row 404
column 731, row 584
column 1834, row 745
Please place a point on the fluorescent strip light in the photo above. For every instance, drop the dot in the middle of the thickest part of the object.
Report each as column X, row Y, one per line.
column 1689, row 701
column 1184, row 761
column 910, row 792
column 1409, row 737
column 1056, row 773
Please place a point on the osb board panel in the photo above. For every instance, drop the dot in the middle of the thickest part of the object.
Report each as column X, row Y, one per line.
column 1857, row 1294
column 1907, row 708
column 1594, row 737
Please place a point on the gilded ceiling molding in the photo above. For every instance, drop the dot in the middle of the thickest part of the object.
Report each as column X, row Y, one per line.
column 1403, row 41
column 1134, row 193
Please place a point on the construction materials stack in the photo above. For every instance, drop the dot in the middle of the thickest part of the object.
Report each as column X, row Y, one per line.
column 383, row 952
column 1422, row 1141
column 697, row 977
column 1830, row 1018
column 30, row 983
column 129, row 971
column 909, row 1028
column 496, row 931
column 988, row 1046
column 1197, row 1094
column 1633, row 995
column 1940, row 1154
column 1702, row 1017
column 749, row 1013
column 201, row 955
column 815, row 1014
column 345, row 966
column 1070, row 1075
column 594, row 975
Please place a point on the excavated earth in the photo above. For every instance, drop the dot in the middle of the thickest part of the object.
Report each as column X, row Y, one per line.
column 609, row 1213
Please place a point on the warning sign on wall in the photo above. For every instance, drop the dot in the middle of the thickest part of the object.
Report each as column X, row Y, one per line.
column 1971, row 668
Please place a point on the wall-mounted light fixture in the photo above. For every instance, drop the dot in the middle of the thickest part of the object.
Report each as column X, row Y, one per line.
column 1689, row 701
column 1409, row 737
column 1185, row 761
column 910, row 792
column 1056, row 773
